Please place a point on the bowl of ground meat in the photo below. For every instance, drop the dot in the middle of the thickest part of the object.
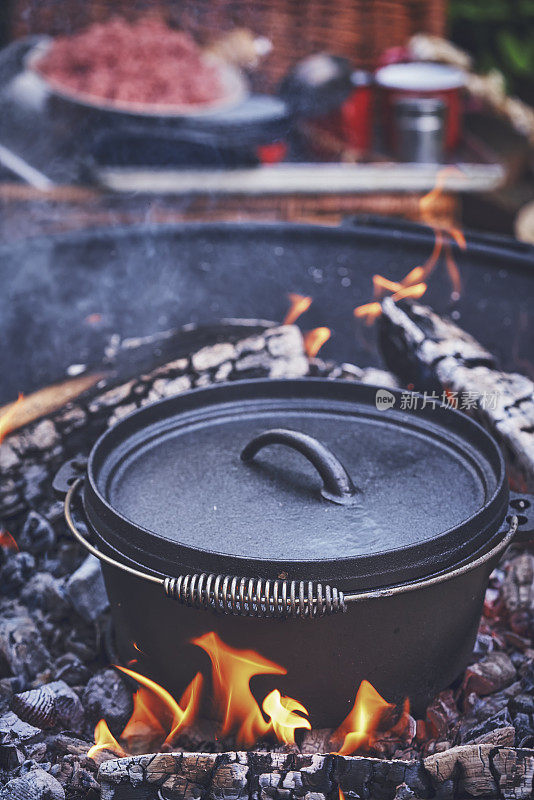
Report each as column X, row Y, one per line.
column 142, row 67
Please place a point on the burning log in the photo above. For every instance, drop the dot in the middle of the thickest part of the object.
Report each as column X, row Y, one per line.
column 76, row 416
column 436, row 355
column 468, row 771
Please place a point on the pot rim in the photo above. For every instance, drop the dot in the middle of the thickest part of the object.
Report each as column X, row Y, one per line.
column 454, row 545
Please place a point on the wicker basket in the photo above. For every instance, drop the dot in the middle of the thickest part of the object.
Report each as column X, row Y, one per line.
column 358, row 29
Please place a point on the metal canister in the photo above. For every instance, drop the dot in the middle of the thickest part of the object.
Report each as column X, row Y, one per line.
column 419, row 129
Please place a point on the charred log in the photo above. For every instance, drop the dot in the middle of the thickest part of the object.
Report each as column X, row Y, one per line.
column 434, row 354
column 30, row 456
column 469, row 771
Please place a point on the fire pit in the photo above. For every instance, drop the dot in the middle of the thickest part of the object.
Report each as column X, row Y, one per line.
column 68, row 724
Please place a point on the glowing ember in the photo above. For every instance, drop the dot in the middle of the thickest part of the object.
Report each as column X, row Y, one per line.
column 299, row 304
column 8, row 417
column 104, row 740
column 357, row 729
column 232, row 672
column 284, row 721
column 7, row 541
column 314, row 340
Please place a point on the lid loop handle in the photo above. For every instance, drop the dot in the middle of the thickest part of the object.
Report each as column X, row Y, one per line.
column 337, row 484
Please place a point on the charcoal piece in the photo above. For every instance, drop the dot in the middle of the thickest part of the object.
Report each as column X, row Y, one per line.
column 34, row 785
column 15, row 573
column 403, row 792
column 474, row 732
column 37, row 481
column 490, row 674
column 499, row 737
column 442, row 713
column 14, row 736
column 483, row 644
column 38, row 535
column 522, row 703
column 21, row 647
column 86, row 591
column 45, row 592
column 13, row 729
column 106, row 696
column 70, row 713
column 526, row 672
column 48, row 705
column 36, row 707
column 70, row 668
column 523, row 727
column 8, row 686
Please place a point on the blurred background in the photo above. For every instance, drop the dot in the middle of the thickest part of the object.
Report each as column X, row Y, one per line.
column 298, row 111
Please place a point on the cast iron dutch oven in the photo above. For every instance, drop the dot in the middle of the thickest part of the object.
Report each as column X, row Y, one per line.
column 339, row 539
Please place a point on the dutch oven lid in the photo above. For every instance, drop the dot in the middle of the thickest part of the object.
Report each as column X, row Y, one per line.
column 338, row 490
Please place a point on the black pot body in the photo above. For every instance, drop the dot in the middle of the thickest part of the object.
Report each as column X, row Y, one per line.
column 407, row 645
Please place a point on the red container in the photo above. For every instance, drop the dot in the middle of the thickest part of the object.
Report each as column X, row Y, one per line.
column 423, row 79
column 351, row 122
column 354, row 117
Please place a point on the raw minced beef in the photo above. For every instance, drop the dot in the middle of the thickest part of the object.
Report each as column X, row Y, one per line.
column 143, row 62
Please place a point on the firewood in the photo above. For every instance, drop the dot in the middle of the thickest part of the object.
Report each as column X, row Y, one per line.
column 45, row 401
column 482, row 770
column 435, row 354
column 499, row 737
column 185, row 359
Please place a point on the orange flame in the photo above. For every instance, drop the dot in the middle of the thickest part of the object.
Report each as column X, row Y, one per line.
column 189, row 702
column 156, row 712
column 7, row 541
column 157, row 718
column 370, row 311
column 6, row 420
column 104, row 740
column 231, row 675
column 418, row 276
column 284, row 721
column 314, row 340
column 299, row 304
column 341, row 793
column 357, row 729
